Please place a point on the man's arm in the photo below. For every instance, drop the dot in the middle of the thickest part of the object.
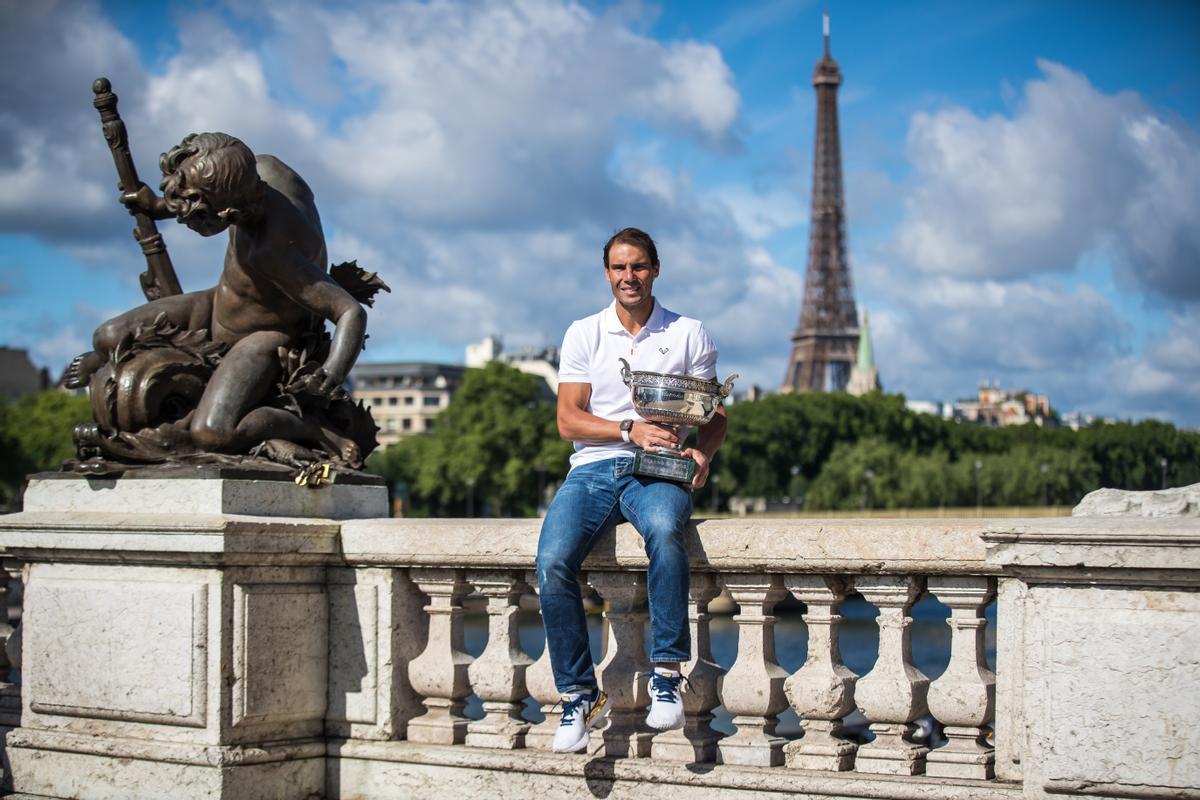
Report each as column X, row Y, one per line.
column 577, row 424
column 709, row 438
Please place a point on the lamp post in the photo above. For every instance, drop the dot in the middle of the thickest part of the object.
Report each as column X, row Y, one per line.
column 470, row 497
column 1164, row 463
column 716, row 496
column 1045, row 485
column 978, row 489
column 794, row 486
column 868, row 475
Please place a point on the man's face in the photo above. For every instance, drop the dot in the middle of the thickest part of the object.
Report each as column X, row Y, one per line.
column 630, row 274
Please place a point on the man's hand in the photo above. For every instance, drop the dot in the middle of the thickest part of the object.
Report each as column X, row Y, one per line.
column 702, row 466
column 653, row 436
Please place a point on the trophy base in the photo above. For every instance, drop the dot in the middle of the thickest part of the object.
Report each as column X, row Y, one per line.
column 680, row 469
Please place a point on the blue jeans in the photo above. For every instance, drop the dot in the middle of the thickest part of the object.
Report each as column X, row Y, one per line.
column 593, row 499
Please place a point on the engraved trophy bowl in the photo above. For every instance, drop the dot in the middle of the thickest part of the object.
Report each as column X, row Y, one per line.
column 673, row 400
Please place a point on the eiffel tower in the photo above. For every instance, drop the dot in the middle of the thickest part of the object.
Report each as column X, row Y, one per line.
column 826, row 339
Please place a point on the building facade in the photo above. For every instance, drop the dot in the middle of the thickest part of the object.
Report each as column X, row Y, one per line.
column 405, row 397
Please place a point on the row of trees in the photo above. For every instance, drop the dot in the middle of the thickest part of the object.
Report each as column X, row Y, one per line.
column 842, row 452
column 497, row 443
column 496, row 450
column 35, row 435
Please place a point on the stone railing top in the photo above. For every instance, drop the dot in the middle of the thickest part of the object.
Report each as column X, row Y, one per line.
column 1088, row 546
column 933, row 546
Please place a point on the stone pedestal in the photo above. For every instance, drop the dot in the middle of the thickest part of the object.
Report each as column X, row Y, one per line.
column 176, row 635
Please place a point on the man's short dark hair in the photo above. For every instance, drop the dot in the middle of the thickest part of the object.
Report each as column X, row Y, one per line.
column 635, row 237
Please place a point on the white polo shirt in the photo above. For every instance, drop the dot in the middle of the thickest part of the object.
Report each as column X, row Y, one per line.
column 667, row 343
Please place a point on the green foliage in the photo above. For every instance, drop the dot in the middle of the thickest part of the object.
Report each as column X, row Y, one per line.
column 35, row 435
column 844, row 452
column 496, row 431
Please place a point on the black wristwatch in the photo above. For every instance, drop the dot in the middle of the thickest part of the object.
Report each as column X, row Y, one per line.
column 626, row 427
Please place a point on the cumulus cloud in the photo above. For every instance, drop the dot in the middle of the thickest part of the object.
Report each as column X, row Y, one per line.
column 477, row 155
column 1072, row 171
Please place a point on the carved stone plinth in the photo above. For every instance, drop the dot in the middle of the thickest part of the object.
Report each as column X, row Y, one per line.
column 696, row 741
column 621, row 673
column 439, row 674
column 963, row 699
column 752, row 690
column 498, row 675
column 892, row 694
column 821, row 691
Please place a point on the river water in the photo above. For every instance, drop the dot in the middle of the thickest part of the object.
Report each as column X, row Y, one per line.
column 859, row 644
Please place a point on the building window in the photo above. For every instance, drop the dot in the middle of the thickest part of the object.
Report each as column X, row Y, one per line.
column 428, row 425
column 407, row 423
column 390, row 425
column 392, row 401
column 409, row 400
column 431, row 401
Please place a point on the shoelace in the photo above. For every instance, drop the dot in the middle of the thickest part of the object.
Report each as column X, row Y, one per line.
column 569, row 707
column 665, row 687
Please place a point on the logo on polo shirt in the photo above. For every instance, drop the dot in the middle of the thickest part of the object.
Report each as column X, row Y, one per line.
column 663, row 350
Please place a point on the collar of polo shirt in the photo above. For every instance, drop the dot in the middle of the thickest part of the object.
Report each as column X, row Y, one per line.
column 612, row 323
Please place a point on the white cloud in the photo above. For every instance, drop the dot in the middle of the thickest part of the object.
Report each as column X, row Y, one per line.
column 1071, row 171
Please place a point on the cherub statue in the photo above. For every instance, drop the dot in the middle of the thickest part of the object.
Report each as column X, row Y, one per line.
column 260, row 330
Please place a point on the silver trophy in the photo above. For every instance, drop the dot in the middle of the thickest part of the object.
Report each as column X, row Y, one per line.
column 673, row 400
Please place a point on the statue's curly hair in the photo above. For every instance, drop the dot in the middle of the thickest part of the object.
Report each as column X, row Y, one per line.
column 221, row 177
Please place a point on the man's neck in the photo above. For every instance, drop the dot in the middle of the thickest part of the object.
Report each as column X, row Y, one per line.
column 634, row 319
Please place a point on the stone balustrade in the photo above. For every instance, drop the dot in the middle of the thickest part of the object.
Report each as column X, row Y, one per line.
column 287, row 657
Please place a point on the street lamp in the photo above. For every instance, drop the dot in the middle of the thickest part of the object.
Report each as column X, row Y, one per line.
column 470, row 497
column 794, row 486
column 1045, row 485
column 869, row 475
column 978, row 489
column 716, row 496
column 1164, row 471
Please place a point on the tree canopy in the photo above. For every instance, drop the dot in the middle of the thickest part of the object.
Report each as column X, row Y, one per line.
column 35, row 435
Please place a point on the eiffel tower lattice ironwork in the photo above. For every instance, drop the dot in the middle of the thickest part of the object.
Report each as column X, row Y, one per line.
column 826, row 340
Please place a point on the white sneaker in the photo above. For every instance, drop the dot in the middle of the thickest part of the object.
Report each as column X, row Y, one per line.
column 579, row 713
column 666, row 701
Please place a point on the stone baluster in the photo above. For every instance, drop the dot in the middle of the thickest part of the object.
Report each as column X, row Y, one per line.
column 439, row 674
column 498, row 675
column 963, row 699
column 621, row 673
column 892, row 694
column 752, row 690
column 821, row 691
column 697, row 741
column 539, row 681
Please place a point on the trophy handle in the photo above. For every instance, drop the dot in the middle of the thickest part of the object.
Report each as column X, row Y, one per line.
column 626, row 373
column 727, row 387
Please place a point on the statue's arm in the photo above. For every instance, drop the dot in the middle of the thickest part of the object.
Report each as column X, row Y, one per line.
column 147, row 202
column 313, row 289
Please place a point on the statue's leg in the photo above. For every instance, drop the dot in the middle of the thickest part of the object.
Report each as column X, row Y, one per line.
column 241, row 381
column 189, row 311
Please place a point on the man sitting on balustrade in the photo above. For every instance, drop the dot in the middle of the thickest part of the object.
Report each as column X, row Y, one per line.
column 595, row 411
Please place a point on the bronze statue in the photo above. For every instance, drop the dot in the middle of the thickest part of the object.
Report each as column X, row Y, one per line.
column 246, row 366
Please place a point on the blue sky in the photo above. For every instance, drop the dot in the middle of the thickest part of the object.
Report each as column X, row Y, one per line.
column 1022, row 179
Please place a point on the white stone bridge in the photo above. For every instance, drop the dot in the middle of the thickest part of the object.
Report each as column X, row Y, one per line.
column 226, row 638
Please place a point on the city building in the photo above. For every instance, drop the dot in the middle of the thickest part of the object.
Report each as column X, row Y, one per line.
column 826, row 338
column 541, row 363
column 998, row 408
column 404, row 397
column 18, row 376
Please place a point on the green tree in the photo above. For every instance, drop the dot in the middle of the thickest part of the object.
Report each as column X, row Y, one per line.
column 496, row 430
column 35, row 434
